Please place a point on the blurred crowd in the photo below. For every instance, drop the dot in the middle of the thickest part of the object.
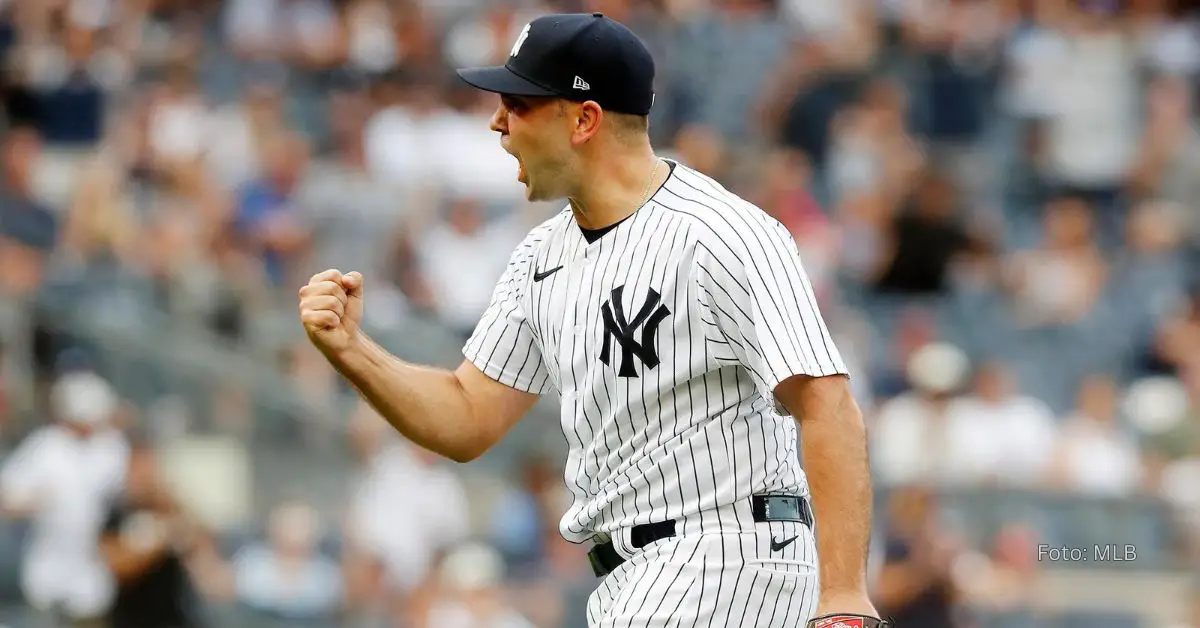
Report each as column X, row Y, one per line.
column 998, row 202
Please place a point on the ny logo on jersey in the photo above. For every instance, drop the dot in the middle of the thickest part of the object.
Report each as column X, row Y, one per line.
column 623, row 330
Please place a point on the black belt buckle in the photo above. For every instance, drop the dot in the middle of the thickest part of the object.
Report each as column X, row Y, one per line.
column 781, row 508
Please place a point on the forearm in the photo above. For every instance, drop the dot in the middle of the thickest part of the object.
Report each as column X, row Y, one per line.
column 835, row 459
column 428, row 406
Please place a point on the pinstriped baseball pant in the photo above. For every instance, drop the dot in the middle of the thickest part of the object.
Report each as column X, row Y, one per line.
column 713, row 578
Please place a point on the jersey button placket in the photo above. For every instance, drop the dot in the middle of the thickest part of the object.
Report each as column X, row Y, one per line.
column 570, row 338
column 589, row 258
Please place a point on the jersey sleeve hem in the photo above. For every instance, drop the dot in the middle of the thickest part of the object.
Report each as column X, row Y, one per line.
column 509, row 378
column 775, row 377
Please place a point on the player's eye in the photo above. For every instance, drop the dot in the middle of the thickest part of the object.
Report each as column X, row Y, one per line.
column 513, row 104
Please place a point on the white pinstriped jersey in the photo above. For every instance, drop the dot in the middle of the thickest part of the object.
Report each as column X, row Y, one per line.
column 665, row 339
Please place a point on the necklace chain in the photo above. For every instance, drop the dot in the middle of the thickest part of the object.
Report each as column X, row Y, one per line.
column 649, row 182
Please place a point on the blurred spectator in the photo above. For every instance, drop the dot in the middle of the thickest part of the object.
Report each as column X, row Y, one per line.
column 1005, row 579
column 103, row 226
column 1061, row 281
column 956, row 44
column 305, row 33
column 406, row 509
column 1028, row 87
column 239, row 131
column 63, row 476
column 432, row 140
column 287, row 577
column 910, row 425
column 1176, row 453
column 735, row 44
column 150, row 545
column 460, row 258
column 997, row 436
column 1096, row 455
column 1177, row 339
column 369, row 37
column 1149, row 277
column 485, row 38
column 1092, row 128
column 315, row 384
column 29, row 231
column 1169, row 158
column 524, row 530
column 1169, row 43
column 1179, row 434
column 68, row 74
column 873, row 154
column 923, row 242
column 704, row 149
column 916, row 585
column 269, row 222
column 469, row 592
column 178, row 119
column 359, row 219
column 523, row 512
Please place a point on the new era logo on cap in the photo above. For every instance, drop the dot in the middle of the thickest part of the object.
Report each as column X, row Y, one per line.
column 553, row 53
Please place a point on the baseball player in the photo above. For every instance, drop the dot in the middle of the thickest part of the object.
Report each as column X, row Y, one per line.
column 676, row 323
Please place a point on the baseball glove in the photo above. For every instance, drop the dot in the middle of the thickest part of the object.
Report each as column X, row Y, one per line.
column 848, row 621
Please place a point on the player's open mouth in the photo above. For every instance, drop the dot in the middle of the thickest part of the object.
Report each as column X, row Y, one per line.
column 520, row 166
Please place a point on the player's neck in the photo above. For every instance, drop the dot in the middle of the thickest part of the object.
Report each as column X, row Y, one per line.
column 617, row 188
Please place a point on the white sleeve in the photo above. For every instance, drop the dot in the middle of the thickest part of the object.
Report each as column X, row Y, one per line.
column 754, row 287
column 503, row 345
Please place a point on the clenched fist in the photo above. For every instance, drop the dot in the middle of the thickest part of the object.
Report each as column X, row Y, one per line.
column 331, row 308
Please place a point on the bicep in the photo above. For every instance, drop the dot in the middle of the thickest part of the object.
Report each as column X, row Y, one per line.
column 496, row 406
column 809, row 398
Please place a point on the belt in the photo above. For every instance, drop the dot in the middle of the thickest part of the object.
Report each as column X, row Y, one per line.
column 605, row 558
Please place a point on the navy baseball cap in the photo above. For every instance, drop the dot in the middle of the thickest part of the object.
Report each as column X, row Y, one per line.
column 575, row 56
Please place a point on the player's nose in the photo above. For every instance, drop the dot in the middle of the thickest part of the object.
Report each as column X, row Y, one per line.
column 499, row 121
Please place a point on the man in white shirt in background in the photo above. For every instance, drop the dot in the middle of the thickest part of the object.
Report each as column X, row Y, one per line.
column 405, row 506
column 61, row 478
column 997, row 436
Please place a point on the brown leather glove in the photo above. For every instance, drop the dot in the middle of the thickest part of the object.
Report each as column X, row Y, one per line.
column 848, row 621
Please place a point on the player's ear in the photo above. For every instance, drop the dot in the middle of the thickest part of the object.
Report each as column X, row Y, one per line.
column 587, row 119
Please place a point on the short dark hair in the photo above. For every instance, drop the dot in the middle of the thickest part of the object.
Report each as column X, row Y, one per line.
column 628, row 123
column 624, row 125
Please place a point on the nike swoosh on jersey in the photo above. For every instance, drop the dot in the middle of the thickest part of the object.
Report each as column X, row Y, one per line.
column 546, row 273
column 778, row 545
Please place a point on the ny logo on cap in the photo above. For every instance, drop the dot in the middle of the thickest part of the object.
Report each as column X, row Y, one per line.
column 581, row 84
column 520, row 41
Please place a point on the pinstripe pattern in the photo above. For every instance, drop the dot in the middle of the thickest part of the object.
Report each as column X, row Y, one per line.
column 710, row 580
column 692, row 436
